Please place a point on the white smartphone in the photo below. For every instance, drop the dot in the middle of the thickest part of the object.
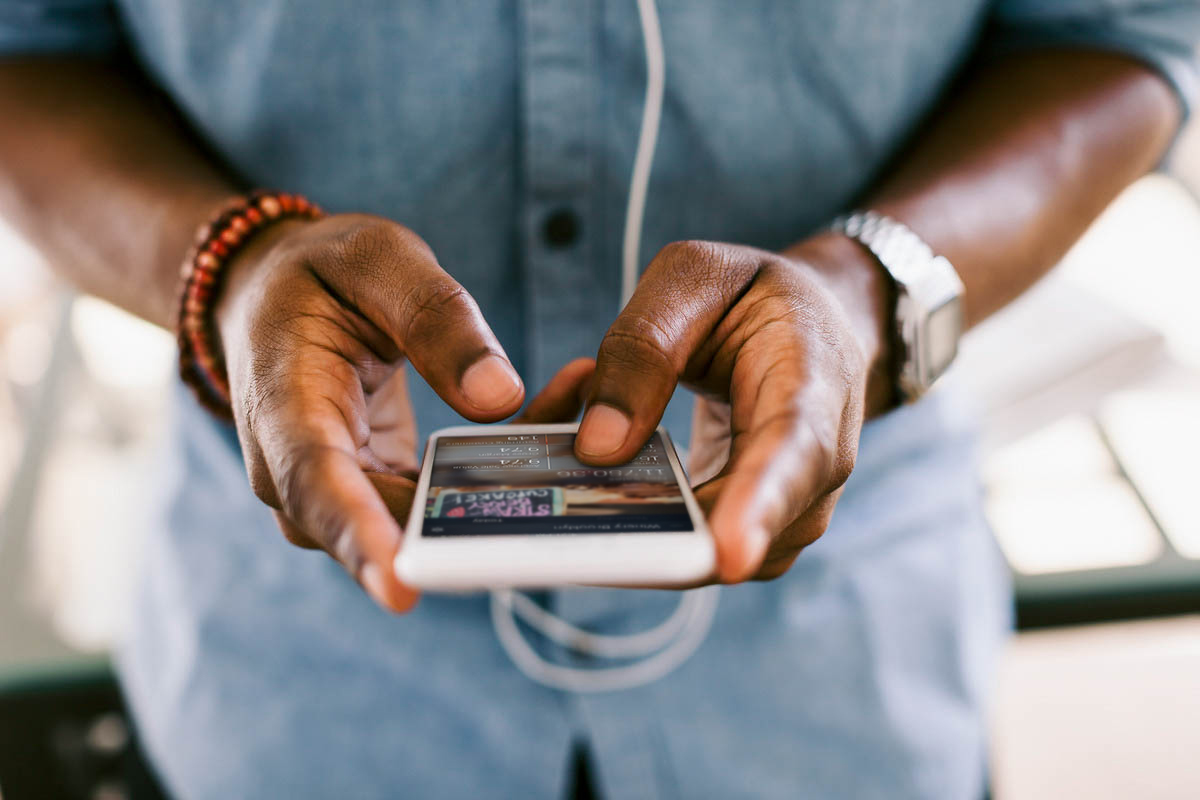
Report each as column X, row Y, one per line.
column 510, row 506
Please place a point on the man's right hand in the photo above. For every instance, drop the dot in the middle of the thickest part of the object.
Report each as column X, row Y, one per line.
column 316, row 320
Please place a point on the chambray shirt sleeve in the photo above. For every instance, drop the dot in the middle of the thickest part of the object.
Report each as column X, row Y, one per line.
column 84, row 27
column 1162, row 34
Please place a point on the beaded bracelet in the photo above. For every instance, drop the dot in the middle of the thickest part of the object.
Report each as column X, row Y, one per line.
column 201, row 363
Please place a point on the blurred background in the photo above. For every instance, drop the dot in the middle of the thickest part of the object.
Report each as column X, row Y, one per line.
column 1089, row 388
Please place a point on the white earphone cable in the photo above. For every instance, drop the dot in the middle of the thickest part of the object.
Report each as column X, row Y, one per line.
column 700, row 604
column 671, row 642
column 558, row 630
column 643, row 160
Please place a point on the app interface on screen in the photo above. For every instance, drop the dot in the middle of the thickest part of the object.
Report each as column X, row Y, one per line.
column 531, row 483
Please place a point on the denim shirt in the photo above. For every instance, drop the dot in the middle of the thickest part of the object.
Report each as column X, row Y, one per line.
column 503, row 132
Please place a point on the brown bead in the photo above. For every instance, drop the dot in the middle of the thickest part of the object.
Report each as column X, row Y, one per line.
column 270, row 207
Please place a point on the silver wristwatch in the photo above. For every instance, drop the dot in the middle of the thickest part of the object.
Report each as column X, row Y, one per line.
column 929, row 305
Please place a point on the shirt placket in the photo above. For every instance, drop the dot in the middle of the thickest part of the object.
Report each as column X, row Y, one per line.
column 559, row 58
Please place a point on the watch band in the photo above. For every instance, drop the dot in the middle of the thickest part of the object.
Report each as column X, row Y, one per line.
column 929, row 318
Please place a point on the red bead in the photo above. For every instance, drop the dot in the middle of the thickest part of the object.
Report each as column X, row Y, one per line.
column 254, row 216
column 240, row 225
column 231, row 237
column 302, row 204
column 218, row 248
column 287, row 203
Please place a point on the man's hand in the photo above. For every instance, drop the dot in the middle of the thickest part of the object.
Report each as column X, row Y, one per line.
column 315, row 323
column 781, row 348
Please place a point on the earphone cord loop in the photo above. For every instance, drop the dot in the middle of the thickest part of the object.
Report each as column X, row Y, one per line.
column 669, row 644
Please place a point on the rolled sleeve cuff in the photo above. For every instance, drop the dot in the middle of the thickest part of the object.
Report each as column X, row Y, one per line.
column 1171, row 59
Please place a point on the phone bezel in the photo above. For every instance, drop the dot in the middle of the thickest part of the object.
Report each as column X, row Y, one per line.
column 539, row 560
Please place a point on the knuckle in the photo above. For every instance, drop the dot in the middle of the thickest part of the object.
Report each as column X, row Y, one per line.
column 843, row 467
column 262, row 486
column 327, row 523
column 691, row 261
column 297, row 538
column 776, row 269
column 837, row 446
column 298, row 469
column 375, row 239
column 430, row 305
column 693, row 267
column 367, row 256
column 293, row 469
column 687, row 251
column 261, row 395
column 825, row 450
column 822, row 433
column 639, row 343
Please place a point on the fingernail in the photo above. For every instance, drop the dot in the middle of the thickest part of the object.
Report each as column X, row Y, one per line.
column 490, row 383
column 371, row 578
column 603, row 430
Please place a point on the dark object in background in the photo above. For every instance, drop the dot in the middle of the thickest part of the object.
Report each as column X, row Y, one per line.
column 70, row 738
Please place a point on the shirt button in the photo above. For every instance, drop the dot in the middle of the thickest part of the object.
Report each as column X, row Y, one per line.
column 561, row 228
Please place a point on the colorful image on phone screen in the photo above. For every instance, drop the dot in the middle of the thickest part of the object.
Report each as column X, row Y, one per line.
column 532, row 483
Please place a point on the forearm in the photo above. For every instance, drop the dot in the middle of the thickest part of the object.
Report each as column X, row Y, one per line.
column 102, row 179
column 1008, row 174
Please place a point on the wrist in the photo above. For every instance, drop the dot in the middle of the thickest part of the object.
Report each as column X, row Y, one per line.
column 239, row 285
column 205, row 272
column 868, row 295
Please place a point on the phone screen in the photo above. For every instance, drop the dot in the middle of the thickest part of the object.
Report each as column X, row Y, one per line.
column 531, row 484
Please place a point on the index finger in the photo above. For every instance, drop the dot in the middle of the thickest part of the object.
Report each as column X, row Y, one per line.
column 782, row 462
column 313, row 460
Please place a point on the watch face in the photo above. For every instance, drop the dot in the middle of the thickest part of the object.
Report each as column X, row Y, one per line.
column 943, row 327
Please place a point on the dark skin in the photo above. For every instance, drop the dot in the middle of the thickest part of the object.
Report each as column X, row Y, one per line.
column 789, row 350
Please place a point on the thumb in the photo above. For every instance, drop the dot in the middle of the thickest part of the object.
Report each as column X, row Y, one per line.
column 668, row 324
